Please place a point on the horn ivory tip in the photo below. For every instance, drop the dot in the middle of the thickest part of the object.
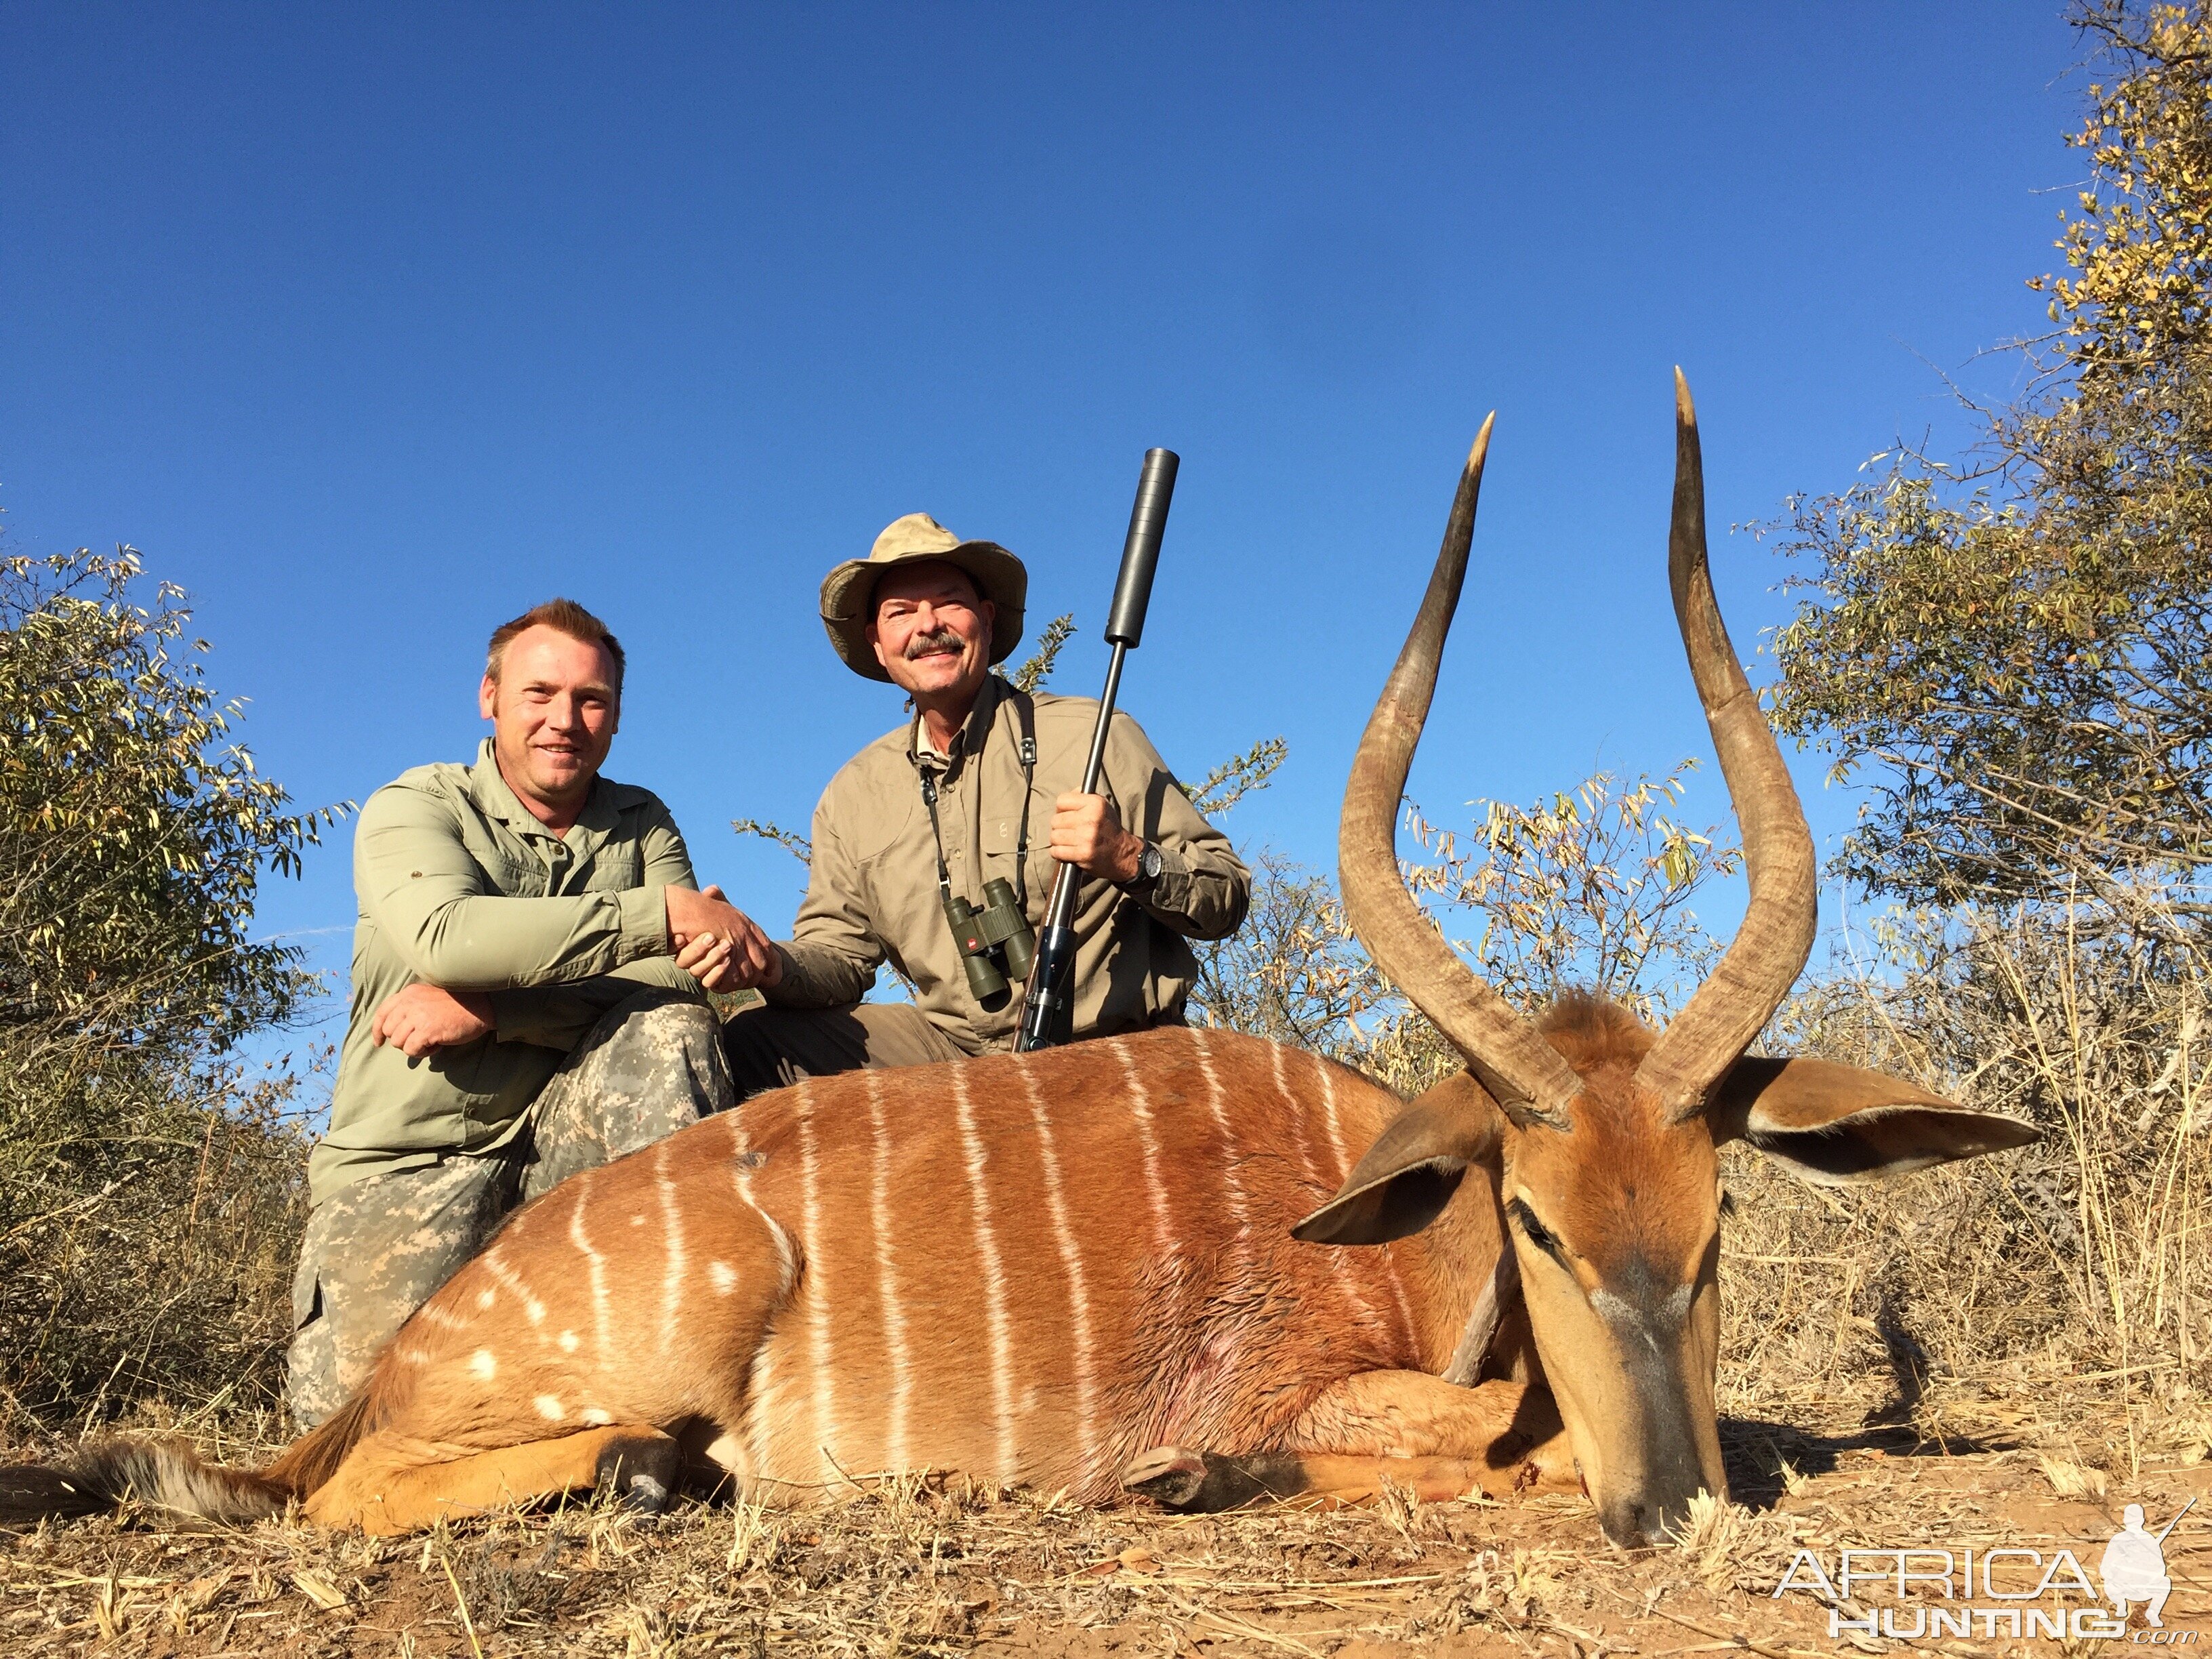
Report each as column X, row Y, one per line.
column 1685, row 410
column 1481, row 446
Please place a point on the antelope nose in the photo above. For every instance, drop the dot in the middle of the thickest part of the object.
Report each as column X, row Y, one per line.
column 1643, row 1524
column 1626, row 1524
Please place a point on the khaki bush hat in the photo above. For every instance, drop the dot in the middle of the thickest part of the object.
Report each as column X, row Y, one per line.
column 849, row 592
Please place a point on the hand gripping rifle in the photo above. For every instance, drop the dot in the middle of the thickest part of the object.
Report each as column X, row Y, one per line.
column 1049, row 999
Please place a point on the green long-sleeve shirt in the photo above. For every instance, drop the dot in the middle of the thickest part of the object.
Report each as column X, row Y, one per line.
column 459, row 886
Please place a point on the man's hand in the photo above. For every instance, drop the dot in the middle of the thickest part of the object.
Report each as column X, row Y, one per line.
column 422, row 1019
column 1087, row 832
column 717, row 944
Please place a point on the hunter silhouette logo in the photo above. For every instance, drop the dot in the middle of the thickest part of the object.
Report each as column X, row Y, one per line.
column 2005, row 1591
column 2134, row 1567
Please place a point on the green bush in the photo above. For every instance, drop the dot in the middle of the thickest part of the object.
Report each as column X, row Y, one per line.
column 150, row 1184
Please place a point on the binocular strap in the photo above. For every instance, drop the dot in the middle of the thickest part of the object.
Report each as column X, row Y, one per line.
column 1028, row 758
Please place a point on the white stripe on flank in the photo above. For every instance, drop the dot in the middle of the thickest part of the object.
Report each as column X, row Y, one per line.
column 597, row 1265
column 1340, row 1262
column 1240, row 1203
column 787, row 1259
column 1141, row 1108
column 672, row 1239
column 1329, row 1115
column 994, row 1282
column 887, row 1288
column 817, row 1294
column 1079, row 1291
column 496, row 1264
column 1388, row 1258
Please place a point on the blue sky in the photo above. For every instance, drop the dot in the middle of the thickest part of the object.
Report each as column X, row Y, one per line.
column 373, row 327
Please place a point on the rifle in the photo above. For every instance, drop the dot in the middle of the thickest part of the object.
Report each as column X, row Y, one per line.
column 1048, row 999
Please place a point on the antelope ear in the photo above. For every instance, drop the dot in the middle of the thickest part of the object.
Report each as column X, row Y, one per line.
column 1839, row 1124
column 1412, row 1171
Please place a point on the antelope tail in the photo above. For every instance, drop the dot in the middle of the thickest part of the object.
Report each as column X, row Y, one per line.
column 168, row 1474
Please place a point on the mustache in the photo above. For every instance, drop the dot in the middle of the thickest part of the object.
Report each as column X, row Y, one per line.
column 937, row 638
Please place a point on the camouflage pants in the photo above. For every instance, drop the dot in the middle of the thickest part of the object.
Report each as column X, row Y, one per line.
column 376, row 1250
column 774, row 1047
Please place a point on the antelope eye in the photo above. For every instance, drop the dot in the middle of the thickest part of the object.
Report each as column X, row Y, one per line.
column 1535, row 1232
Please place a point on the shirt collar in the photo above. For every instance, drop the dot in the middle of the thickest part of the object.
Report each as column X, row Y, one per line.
column 489, row 789
column 966, row 741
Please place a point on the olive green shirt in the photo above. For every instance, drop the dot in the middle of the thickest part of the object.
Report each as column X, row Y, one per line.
column 461, row 887
column 872, row 894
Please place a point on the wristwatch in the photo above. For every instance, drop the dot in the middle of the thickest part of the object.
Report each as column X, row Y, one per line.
column 1149, row 865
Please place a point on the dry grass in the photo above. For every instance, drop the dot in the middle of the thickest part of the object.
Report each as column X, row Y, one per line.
column 2015, row 1290
column 934, row 1567
column 149, row 1217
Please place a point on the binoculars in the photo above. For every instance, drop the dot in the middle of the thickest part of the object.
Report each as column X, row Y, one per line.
column 996, row 945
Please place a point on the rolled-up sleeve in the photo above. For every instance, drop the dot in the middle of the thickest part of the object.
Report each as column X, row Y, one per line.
column 833, row 953
column 421, row 889
column 1204, row 888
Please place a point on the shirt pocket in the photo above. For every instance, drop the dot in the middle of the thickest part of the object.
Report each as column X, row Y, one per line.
column 511, row 875
column 1001, row 839
column 616, row 869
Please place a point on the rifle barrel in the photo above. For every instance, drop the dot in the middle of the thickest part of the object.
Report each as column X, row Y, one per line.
column 1047, row 998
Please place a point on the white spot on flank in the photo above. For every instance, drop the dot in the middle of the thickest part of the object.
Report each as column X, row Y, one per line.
column 1078, row 1292
column 598, row 1415
column 724, row 1275
column 549, row 1407
column 567, row 1342
column 482, row 1365
column 1156, row 1187
column 485, row 1298
column 676, row 1259
column 818, row 1293
column 436, row 1313
column 597, row 1265
column 887, row 1291
column 637, row 1221
column 994, row 1281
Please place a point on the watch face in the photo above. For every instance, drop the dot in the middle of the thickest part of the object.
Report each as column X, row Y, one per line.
column 1148, row 863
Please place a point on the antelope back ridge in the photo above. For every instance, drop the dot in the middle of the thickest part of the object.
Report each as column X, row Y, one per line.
column 1189, row 1264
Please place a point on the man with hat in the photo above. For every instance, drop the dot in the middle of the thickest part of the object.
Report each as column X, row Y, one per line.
column 982, row 785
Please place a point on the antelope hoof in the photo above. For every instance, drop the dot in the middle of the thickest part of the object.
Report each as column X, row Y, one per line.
column 1169, row 1475
column 642, row 1474
column 1199, row 1483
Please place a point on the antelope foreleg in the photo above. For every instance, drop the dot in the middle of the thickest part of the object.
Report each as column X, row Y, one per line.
column 1410, row 1430
column 389, row 1484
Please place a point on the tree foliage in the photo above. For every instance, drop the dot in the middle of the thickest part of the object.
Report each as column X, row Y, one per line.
column 150, row 1185
column 1590, row 888
column 2014, row 645
column 132, row 830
